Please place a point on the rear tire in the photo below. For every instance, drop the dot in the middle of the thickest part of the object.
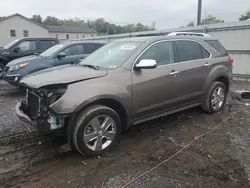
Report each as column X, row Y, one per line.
column 215, row 98
column 96, row 130
column 1, row 70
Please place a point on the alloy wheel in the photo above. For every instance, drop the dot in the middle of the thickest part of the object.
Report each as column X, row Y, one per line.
column 218, row 98
column 100, row 133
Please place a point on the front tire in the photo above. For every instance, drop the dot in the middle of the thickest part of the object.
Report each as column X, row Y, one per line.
column 96, row 130
column 215, row 98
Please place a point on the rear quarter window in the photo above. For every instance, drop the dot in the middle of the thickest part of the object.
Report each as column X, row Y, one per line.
column 217, row 45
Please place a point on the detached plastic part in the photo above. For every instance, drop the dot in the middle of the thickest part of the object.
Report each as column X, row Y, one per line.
column 241, row 95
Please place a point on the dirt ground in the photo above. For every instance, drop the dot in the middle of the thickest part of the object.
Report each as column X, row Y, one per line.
column 220, row 159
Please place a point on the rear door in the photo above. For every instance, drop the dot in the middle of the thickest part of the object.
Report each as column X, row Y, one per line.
column 188, row 73
column 24, row 48
column 73, row 54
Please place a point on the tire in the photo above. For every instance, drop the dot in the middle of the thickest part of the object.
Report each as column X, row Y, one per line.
column 85, row 123
column 208, row 105
column 1, row 70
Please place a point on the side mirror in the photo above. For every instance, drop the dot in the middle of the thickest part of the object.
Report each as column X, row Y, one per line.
column 16, row 49
column 146, row 64
column 61, row 55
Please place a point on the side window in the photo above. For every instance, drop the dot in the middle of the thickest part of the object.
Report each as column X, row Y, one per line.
column 27, row 45
column 162, row 53
column 188, row 50
column 90, row 48
column 205, row 53
column 45, row 44
column 74, row 50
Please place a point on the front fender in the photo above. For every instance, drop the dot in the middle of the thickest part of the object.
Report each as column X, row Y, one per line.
column 76, row 98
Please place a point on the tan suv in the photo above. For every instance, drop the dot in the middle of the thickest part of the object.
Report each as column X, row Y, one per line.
column 124, row 83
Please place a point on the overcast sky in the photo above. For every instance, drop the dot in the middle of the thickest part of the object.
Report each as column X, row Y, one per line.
column 166, row 13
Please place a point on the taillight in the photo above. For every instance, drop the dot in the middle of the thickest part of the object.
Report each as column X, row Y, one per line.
column 230, row 60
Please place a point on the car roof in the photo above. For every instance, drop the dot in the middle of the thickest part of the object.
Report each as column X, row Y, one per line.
column 84, row 42
column 35, row 38
column 156, row 38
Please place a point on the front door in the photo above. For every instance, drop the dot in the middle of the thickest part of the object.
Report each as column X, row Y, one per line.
column 73, row 54
column 151, row 86
column 24, row 48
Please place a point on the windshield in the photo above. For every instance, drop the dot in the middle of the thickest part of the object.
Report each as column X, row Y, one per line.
column 51, row 51
column 112, row 55
column 7, row 46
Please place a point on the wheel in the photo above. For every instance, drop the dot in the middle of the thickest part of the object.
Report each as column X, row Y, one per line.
column 96, row 130
column 1, row 70
column 215, row 98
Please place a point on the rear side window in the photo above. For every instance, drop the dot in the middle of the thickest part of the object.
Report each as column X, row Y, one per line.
column 90, row 48
column 217, row 45
column 74, row 50
column 205, row 53
column 45, row 44
column 188, row 50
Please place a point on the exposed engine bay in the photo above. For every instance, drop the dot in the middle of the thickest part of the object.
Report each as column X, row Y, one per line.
column 37, row 107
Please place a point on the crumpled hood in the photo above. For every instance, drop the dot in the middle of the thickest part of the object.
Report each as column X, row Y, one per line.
column 26, row 59
column 60, row 75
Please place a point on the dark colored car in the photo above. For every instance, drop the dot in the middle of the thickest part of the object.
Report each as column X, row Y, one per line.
column 60, row 54
column 124, row 83
column 24, row 47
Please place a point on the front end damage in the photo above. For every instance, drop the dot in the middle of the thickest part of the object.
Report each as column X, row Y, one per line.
column 34, row 111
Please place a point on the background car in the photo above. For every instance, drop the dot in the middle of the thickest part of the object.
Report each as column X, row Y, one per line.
column 60, row 54
column 24, row 47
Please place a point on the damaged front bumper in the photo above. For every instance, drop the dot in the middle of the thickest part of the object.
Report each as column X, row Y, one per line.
column 23, row 118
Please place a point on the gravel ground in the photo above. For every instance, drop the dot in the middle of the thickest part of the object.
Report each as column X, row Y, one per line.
column 220, row 159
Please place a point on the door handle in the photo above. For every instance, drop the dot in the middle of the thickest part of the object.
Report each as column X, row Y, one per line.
column 173, row 72
column 207, row 64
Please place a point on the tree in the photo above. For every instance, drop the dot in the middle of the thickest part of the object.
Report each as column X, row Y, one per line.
column 246, row 16
column 37, row 18
column 211, row 20
column 50, row 20
column 2, row 17
column 100, row 25
column 190, row 24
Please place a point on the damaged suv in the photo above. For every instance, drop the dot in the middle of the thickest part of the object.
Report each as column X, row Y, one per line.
column 126, row 82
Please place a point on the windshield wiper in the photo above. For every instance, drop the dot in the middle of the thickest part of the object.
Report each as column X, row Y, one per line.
column 90, row 66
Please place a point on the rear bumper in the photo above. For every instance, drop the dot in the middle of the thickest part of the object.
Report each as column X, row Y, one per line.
column 24, row 119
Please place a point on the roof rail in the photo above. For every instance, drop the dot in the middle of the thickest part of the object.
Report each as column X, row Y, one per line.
column 189, row 34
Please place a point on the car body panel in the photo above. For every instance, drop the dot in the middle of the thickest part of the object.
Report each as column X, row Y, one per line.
column 115, row 85
column 56, row 75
